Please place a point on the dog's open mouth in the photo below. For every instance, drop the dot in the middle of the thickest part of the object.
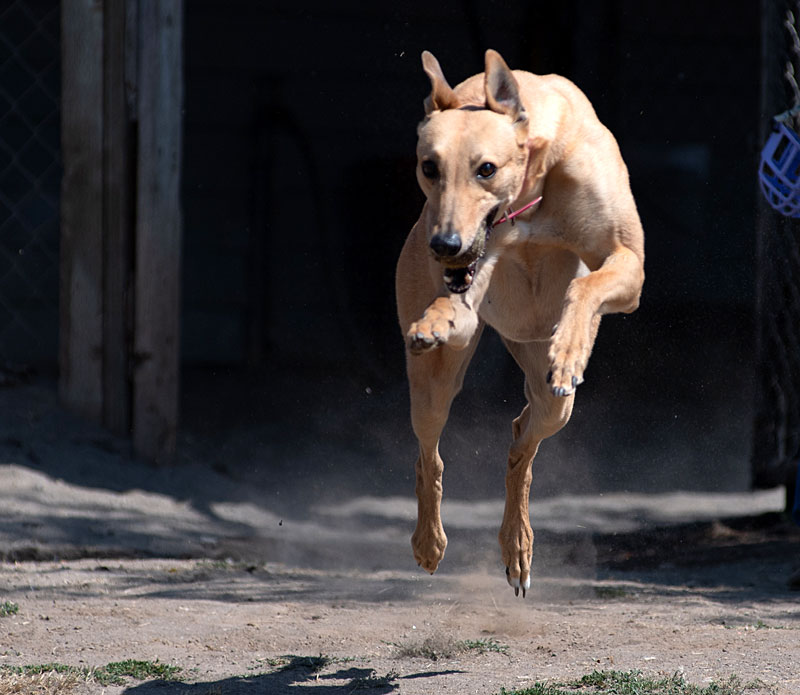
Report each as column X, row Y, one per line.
column 458, row 278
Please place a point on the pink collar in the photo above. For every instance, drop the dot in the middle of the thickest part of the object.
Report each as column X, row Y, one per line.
column 511, row 214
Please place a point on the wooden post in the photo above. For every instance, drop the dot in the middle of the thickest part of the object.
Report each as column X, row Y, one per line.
column 158, row 228
column 120, row 216
column 81, row 259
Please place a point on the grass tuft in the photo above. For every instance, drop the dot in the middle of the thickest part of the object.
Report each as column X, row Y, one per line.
column 439, row 647
column 47, row 679
column 431, row 648
column 635, row 683
column 539, row 689
column 115, row 672
column 45, row 683
column 481, row 646
column 373, row 681
column 8, row 608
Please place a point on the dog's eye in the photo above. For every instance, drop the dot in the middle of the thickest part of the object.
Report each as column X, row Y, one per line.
column 486, row 170
column 429, row 169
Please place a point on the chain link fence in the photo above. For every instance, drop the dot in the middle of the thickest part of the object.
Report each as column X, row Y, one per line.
column 776, row 445
column 30, row 176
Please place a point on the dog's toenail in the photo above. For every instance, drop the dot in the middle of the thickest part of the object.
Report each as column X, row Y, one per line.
column 574, row 382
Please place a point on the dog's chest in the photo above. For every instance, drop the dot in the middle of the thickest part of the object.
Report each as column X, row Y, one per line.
column 524, row 298
column 509, row 304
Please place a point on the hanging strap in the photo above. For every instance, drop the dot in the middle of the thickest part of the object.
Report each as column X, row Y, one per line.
column 787, row 117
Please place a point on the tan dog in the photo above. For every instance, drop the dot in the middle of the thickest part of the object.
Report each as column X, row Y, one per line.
column 493, row 145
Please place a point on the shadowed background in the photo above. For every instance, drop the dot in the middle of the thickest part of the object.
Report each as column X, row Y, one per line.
column 298, row 189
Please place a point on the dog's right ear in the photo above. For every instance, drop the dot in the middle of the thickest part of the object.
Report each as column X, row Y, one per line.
column 442, row 95
column 502, row 90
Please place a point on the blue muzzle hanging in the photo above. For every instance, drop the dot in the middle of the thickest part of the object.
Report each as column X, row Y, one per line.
column 779, row 172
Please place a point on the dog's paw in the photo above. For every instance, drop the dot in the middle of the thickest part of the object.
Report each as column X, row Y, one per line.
column 429, row 543
column 517, row 583
column 433, row 329
column 516, row 544
column 421, row 339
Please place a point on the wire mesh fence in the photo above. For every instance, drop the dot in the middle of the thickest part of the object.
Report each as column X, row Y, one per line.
column 776, row 445
column 29, row 181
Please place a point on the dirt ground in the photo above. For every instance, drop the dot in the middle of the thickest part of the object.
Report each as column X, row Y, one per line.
column 253, row 589
column 227, row 626
column 707, row 599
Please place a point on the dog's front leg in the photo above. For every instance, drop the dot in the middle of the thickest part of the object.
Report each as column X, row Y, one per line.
column 434, row 378
column 614, row 287
column 451, row 324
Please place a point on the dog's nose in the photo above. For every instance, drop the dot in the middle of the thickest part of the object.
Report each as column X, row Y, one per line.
column 446, row 244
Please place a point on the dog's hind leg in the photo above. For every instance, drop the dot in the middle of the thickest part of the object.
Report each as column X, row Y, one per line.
column 543, row 416
column 434, row 378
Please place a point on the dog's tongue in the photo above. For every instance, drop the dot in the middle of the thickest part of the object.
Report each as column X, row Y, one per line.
column 458, row 280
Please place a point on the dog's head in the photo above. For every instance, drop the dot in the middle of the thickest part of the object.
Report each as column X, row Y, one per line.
column 472, row 163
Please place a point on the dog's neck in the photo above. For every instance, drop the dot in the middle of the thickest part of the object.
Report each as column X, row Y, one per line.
column 511, row 214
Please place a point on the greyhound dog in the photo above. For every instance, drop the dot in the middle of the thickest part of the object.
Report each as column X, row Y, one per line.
column 529, row 226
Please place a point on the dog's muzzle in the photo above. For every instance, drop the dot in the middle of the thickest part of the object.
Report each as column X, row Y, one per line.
column 460, row 269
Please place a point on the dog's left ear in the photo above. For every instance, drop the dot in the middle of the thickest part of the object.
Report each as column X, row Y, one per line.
column 502, row 90
column 442, row 95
